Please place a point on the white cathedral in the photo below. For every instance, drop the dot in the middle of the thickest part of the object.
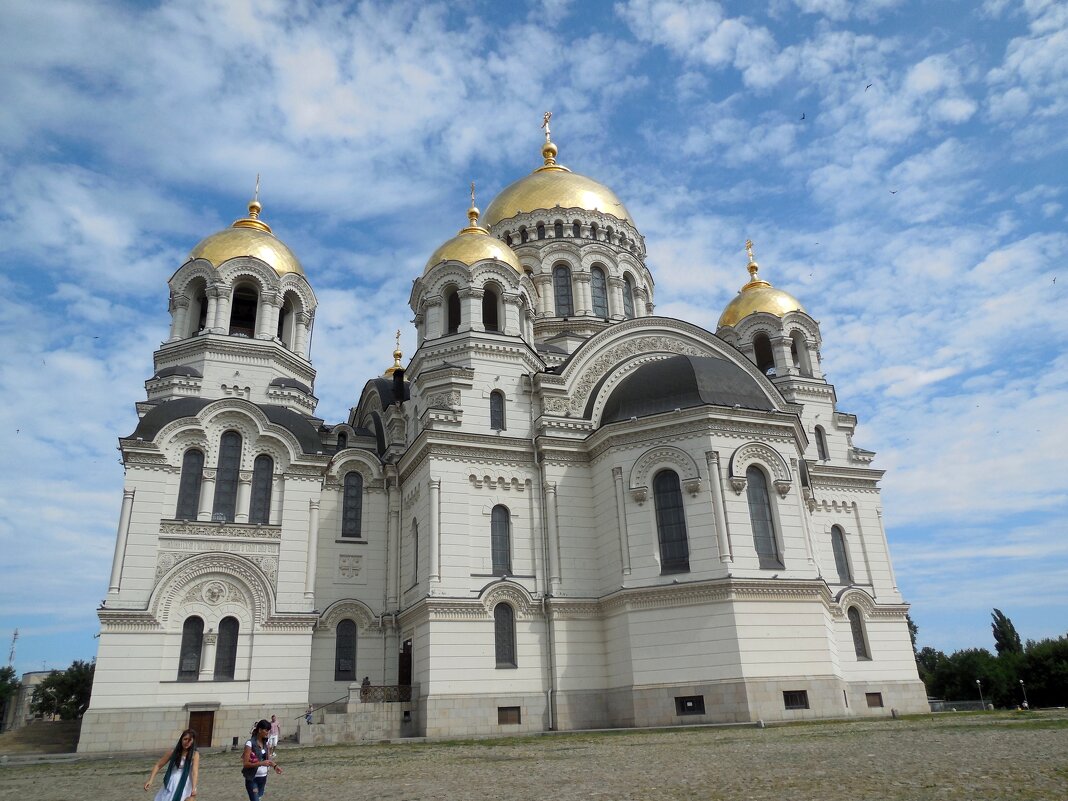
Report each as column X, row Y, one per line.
column 565, row 513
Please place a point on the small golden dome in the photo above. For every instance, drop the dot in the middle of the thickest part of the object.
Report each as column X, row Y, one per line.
column 473, row 244
column 553, row 185
column 397, row 354
column 758, row 296
column 249, row 236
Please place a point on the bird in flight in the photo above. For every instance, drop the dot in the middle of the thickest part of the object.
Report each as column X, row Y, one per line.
column 869, row 86
column 802, row 115
column 893, row 191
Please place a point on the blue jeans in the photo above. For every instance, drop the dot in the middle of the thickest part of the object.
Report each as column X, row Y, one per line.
column 255, row 787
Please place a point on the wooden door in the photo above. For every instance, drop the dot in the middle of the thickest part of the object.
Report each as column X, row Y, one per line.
column 202, row 723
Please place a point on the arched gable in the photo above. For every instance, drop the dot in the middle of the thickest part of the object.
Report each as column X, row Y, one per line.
column 658, row 458
column 213, row 585
column 510, row 593
column 764, row 456
column 347, row 609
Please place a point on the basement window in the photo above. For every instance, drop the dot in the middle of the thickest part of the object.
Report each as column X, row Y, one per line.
column 795, row 699
column 508, row 716
column 875, row 700
column 689, row 705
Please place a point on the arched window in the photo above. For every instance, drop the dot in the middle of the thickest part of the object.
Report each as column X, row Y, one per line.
column 342, row 441
column 670, row 523
column 805, row 480
column 821, row 444
column 226, row 649
column 541, row 231
column 497, row 410
column 593, row 230
column 558, row 229
column 504, row 635
column 197, row 319
column 352, row 505
column 562, row 289
column 452, row 312
column 345, row 652
column 522, row 235
column 192, row 642
column 243, row 307
column 259, row 508
column 599, row 292
column 841, row 558
column 761, row 516
column 508, row 239
column 856, row 625
column 608, row 234
column 576, row 229
column 799, row 352
column 765, row 361
column 490, row 300
column 225, row 505
column 189, row 485
column 628, row 297
column 501, row 540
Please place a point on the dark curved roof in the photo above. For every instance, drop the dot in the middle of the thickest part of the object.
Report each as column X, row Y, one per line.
column 384, row 386
column 290, row 383
column 297, row 424
column 181, row 369
column 683, row 382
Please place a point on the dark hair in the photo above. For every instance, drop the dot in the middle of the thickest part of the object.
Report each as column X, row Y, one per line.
column 176, row 755
column 262, row 724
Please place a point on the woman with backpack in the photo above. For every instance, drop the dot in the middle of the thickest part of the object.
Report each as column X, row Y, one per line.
column 183, row 766
column 256, row 761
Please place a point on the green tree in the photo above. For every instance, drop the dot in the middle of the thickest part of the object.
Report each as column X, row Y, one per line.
column 65, row 693
column 1045, row 672
column 1006, row 638
column 927, row 661
column 9, row 686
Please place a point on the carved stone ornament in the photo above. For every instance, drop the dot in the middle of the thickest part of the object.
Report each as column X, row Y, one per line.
column 348, row 566
column 444, row 400
column 692, row 485
column 783, row 487
column 640, row 494
column 214, row 592
column 738, row 484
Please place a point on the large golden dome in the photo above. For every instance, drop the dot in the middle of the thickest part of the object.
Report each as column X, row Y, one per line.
column 473, row 244
column 758, row 296
column 249, row 236
column 553, row 185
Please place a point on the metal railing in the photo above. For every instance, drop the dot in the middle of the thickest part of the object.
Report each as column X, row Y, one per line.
column 385, row 694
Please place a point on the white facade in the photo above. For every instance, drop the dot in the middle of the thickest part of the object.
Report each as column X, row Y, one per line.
column 551, row 519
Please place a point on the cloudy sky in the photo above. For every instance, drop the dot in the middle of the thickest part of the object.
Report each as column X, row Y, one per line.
column 901, row 167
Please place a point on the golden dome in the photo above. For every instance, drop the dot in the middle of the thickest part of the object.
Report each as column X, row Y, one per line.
column 249, row 236
column 553, row 185
column 758, row 296
column 397, row 353
column 473, row 244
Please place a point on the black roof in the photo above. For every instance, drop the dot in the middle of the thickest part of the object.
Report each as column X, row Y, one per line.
column 297, row 424
column 683, row 382
column 181, row 369
column 291, row 383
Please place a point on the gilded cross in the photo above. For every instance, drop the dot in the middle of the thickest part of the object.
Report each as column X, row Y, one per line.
column 545, row 123
column 749, row 249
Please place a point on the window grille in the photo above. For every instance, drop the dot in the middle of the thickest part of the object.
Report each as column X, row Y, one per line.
column 259, row 510
column 189, row 485
column 504, row 635
column 761, row 516
column 795, row 699
column 352, row 506
column 599, row 292
column 565, row 306
column 345, row 652
column 670, row 523
column 226, row 477
column 501, row 540
column 226, row 649
column 192, row 643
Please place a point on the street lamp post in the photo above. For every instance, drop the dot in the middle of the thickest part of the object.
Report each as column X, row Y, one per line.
column 979, row 684
column 1023, row 687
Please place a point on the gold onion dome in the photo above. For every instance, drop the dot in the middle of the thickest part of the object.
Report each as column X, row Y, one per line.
column 473, row 244
column 553, row 185
column 397, row 354
column 758, row 296
column 249, row 236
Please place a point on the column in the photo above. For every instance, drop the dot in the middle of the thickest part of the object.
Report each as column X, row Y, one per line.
column 886, row 546
column 207, row 495
column 544, row 283
column 864, row 550
column 434, row 326
column 180, row 320
column 303, row 323
column 313, row 549
column 715, row 480
column 513, row 315
column 222, row 311
column 641, row 302
column 435, row 529
column 784, row 360
column 810, row 550
column 621, row 516
column 244, row 495
column 120, row 540
column 554, row 536
column 277, row 494
column 207, row 656
column 212, row 294
column 583, row 297
column 393, row 530
column 264, row 329
column 615, row 297
column 420, row 329
column 471, row 309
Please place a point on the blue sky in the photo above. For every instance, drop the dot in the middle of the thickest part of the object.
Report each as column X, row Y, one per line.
column 901, row 167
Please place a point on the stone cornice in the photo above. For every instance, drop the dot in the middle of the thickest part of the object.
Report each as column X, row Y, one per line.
column 191, row 529
column 235, row 349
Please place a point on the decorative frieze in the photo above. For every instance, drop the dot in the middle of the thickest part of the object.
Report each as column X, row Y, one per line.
column 195, row 529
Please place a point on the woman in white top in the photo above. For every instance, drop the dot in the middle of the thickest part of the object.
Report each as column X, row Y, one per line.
column 183, row 765
column 256, row 761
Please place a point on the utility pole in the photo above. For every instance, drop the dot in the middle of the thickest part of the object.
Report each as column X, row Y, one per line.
column 11, row 654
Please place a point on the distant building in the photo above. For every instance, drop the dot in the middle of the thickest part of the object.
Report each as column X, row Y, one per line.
column 17, row 713
column 566, row 512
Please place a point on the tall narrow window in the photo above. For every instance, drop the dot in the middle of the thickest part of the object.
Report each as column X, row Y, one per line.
column 599, row 292
column 760, row 514
column 558, row 229
column 497, row 410
column 285, row 323
column 352, row 506
column 504, row 635
column 452, row 312
column 670, row 523
column 841, row 559
column 189, row 485
column 765, row 361
column 593, row 230
column 226, row 649
column 576, row 229
column 799, row 351
column 415, row 552
column 490, row 316
column 821, row 444
column 345, row 652
column 259, row 509
column 342, row 441
column 501, row 540
column 192, row 642
column 856, row 625
column 628, row 297
column 562, row 290
column 225, row 504
column 523, row 235
column 243, row 308
column 541, row 231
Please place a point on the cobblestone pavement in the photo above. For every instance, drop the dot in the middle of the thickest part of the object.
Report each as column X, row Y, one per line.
column 969, row 757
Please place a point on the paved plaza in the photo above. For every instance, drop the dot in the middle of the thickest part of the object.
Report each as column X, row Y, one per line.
column 954, row 756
